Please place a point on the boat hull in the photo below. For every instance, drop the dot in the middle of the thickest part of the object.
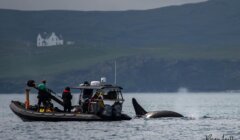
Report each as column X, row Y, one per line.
column 29, row 115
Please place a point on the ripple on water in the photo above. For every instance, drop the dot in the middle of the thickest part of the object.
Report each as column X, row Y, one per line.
column 222, row 119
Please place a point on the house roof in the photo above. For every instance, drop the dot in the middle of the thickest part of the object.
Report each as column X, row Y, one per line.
column 46, row 35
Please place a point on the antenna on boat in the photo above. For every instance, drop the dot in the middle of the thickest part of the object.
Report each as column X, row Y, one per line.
column 115, row 72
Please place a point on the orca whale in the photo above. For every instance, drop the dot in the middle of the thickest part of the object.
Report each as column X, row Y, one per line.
column 153, row 114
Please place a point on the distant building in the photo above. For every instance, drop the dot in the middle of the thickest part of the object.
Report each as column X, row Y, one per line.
column 46, row 39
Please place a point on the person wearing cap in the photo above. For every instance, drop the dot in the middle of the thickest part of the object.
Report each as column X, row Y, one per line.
column 67, row 97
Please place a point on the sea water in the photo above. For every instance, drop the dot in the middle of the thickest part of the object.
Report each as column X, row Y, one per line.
column 208, row 116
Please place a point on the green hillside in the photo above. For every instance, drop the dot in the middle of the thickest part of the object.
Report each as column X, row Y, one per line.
column 194, row 46
column 33, row 61
column 210, row 23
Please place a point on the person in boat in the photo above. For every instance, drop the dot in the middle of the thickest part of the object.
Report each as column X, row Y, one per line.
column 87, row 94
column 98, row 98
column 67, row 97
column 100, row 103
column 43, row 95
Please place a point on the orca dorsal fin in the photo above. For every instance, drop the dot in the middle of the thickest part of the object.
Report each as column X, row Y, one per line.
column 138, row 109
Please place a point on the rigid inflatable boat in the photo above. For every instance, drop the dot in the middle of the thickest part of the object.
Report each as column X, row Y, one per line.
column 108, row 108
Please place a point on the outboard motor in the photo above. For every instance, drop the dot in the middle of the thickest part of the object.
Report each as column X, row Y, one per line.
column 117, row 109
column 112, row 111
column 107, row 111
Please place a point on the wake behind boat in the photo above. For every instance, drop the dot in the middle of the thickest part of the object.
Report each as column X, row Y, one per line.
column 90, row 107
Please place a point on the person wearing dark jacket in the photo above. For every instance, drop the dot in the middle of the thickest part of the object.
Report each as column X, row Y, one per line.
column 67, row 97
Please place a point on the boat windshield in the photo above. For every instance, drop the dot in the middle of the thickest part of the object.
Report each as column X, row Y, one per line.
column 93, row 98
column 112, row 94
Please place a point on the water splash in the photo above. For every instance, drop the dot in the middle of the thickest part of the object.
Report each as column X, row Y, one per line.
column 183, row 90
column 183, row 104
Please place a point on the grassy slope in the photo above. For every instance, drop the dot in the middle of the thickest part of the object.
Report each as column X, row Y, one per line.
column 213, row 22
column 208, row 30
column 32, row 61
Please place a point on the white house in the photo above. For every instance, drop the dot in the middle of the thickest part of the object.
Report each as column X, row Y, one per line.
column 49, row 40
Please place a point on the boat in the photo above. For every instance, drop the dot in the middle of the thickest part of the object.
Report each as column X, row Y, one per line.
column 108, row 108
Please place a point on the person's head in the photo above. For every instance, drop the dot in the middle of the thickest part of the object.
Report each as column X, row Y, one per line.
column 86, row 83
column 44, row 81
column 67, row 88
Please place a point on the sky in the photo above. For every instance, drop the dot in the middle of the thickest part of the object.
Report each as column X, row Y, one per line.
column 90, row 5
